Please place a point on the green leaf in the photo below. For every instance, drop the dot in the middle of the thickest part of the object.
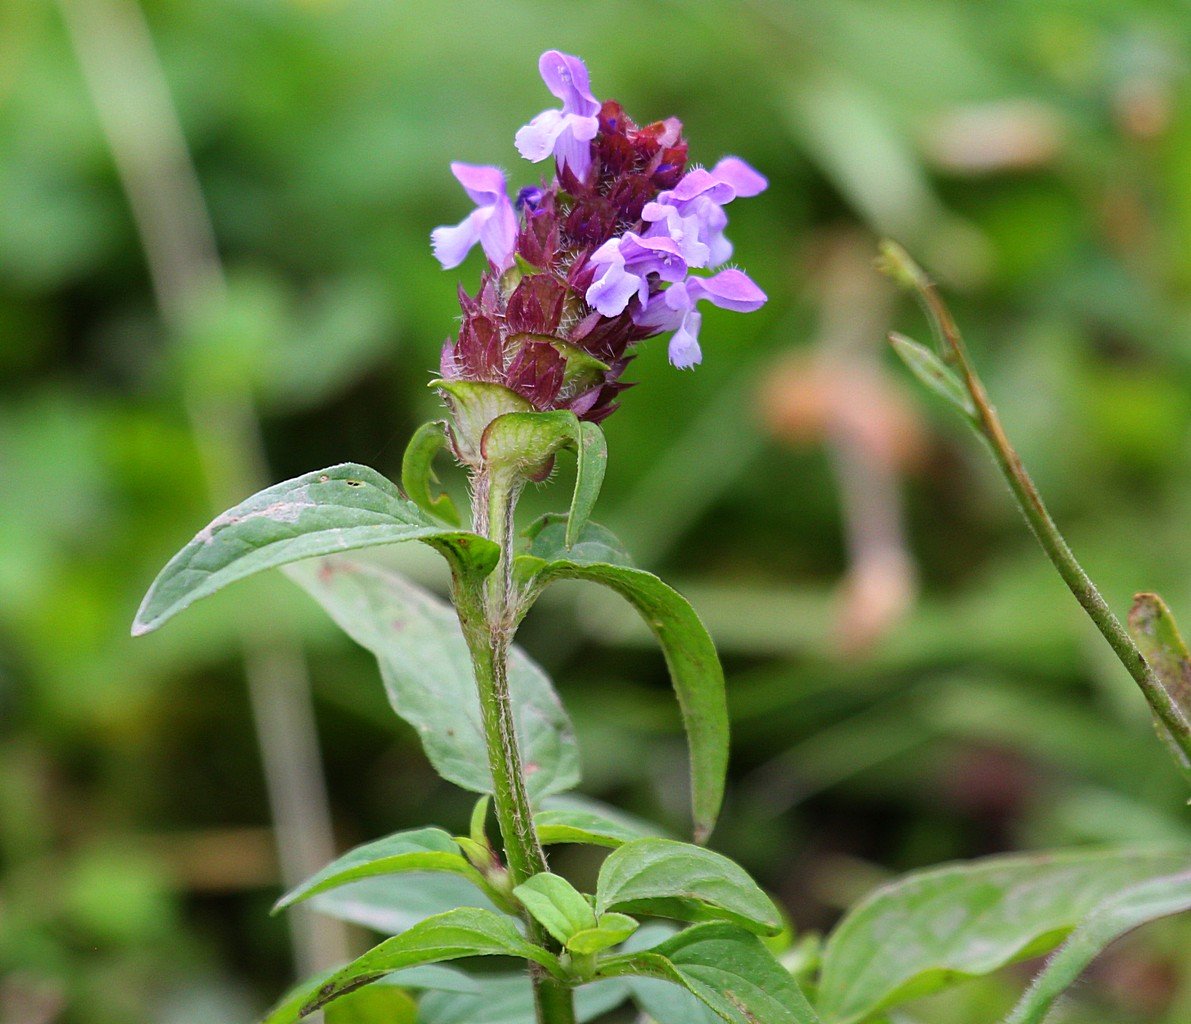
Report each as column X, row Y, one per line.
column 610, row 930
column 336, row 509
column 508, row 999
column 458, row 933
column 691, row 658
column 935, row 928
column 664, row 878
column 417, row 472
column 1141, row 904
column 727, row 969
column 427, row 673
column 934, row 373
column 423, row 849
column 592, row 457
column 556, row 905
column 1156, row 634
column 575, row 819
column 390, row 909
column 663, row 1001
column 594, row 545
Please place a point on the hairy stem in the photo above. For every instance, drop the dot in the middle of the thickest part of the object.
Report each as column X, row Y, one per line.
column 988, row 423
column 487, row 618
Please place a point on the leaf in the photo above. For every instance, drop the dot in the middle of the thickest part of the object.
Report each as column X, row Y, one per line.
column 594, row 545
column 1157, row 636
column 458, row 933
column 336, row 509
column 664, row 1001
column 427, row 672
column 434, row 977
column 423, row 849
column 727, row 969
column 592, row 458
column 556, row 905
column 1141, row 904
column 934, row 373
column 611, row 930
column 390, row 909
column 417, row 472
column 508, row 999
column 935, row 928
column 664, row 878
column 691, row 658
column 574, row 819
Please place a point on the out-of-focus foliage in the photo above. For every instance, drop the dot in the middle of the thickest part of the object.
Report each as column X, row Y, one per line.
column 1035, row 156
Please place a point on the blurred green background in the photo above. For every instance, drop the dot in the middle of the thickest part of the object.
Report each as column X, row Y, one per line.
column 909, row 681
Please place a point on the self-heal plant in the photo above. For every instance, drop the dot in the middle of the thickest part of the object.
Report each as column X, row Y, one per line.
column 620, row 243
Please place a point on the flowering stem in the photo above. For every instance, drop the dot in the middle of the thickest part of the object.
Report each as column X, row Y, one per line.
column 486, row 617
column 988, row 423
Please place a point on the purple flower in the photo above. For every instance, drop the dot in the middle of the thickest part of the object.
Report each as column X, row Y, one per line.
column 623, row 268
column 699, row 198
column 566, row 133
column 674, row 310
column 493, row 223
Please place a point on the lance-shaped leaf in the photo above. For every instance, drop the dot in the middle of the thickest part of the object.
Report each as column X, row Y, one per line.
column 422, row 849
column 336, row 509
column 934, row 373
column 427, row 673
column 1157, row 637
column 664, row 878
column 1138, row 905
column 935, row 928
column 725, row 968
column 556, row 905
column 417, row 472
column 690, row 656
column 458, row 933
column 575, row 819
column 525, row 443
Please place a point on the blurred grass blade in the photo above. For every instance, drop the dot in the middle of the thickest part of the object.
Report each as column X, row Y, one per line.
column 1157, row 636
column 1141, row 904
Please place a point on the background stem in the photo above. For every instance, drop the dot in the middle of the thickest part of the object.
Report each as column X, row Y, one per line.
column 988, row 423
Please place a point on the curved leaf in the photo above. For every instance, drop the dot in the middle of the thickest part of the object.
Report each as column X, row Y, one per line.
column 457, row 933
column 574, row 819
column 664, row 878
column 937, row 927
column 610, row 930
column 592, row 457
column 727, row 969
column 1141, row 904
column 1157, row 636
column 934, row 373
column 427, row 672
column 691, row 658
column 417, row 472
column 423, row 849
column 336, row 509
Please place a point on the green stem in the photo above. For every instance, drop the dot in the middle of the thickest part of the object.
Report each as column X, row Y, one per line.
column 988, row 423
column 487, row 618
